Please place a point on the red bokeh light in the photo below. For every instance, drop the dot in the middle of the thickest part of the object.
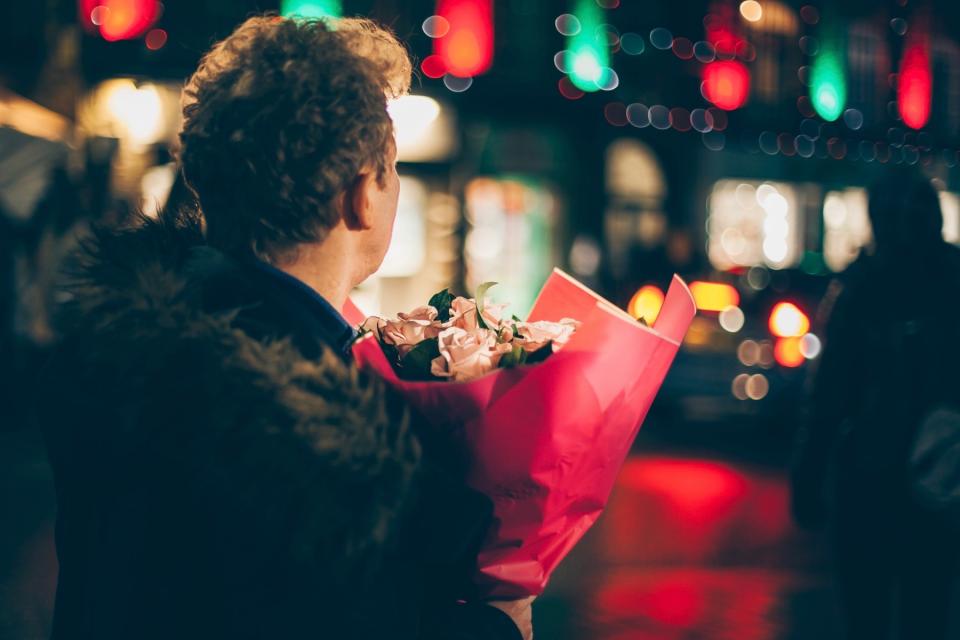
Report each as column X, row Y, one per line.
column 616, row 114
column 726, row 83
column 467, row 48
column 433, row 66
column 568, row 90
column 915, row 83
column 155, row 39
column 120, row 19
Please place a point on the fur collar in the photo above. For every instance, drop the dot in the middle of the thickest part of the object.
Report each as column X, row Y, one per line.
column 148, row 384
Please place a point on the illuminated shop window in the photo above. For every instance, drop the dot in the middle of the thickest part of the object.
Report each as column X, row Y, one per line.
column 423, row 254
column 846, row 227
column 511, row 238
column 753, row 223
column 424, row 128
column 950, row 206
column 636, row 189
column 408, row 244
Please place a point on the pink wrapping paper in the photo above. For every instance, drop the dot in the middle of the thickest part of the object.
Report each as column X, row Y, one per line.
column 547, row 441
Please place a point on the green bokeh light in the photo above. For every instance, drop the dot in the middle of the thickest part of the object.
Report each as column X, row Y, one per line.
column 312, row 8
column 828, row 82
column 588, row 49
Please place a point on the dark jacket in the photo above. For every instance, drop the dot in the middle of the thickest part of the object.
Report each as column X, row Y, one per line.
column 221, row 473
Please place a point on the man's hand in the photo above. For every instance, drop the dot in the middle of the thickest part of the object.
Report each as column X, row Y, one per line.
column 520, row 611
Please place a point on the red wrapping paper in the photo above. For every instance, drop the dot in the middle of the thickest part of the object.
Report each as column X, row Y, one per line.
column 546, row 442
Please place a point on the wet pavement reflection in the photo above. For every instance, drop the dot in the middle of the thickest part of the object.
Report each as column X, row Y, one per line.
column 692, row 548
column 689, row 548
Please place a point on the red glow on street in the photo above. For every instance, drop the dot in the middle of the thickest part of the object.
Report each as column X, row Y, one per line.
column 688, row 510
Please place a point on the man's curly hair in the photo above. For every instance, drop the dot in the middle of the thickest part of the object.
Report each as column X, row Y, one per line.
column 279, row 119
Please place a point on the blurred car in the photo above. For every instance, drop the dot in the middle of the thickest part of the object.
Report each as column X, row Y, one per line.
column 746, row 357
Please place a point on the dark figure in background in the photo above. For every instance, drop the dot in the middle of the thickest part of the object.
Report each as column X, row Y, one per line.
column 890, row 358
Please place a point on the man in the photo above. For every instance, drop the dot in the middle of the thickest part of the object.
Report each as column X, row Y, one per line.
column 223, row 470
column 890, row 358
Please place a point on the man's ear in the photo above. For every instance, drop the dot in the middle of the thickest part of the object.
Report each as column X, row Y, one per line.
column 358, row 214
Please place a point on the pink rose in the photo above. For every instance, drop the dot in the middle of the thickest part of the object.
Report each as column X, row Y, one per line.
column 465, row 355
column 426, row 313
column 410, row 329
column 373, row 325
column 463, row 314
column 534, row 335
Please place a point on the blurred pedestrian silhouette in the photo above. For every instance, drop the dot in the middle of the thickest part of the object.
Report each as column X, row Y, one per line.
column 890, row 360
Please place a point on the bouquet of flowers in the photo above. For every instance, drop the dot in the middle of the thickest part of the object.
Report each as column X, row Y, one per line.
column 460, row 339
column 546, row 408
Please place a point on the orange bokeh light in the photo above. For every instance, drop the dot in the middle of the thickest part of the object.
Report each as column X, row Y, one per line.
column 714, row 296
column 788, row 353
column 646, row 303
column 788, row 321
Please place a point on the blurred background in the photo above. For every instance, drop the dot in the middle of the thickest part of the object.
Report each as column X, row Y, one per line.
column 621, row 140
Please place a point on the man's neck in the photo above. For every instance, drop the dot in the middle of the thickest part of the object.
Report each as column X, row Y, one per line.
column 326, row 268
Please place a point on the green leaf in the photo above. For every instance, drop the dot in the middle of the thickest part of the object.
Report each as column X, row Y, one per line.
column 514, row 358
column 416, row 364
column 516, row 319
column 441, row 301
column 481, row 293
column 540, row 354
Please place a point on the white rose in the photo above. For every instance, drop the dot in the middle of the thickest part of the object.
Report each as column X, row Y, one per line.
column 534, row 335
column 465, row 355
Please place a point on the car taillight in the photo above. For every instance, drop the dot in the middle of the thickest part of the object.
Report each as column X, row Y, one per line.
column 788, row 321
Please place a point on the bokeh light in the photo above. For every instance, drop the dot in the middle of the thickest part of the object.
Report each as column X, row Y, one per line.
column 726, row 83
column 567, row 24
column 810, row 346
column 828, row 82
column 589, row 49
column 714, row 296
column 915, row 82
column 436, row 26
column 119, row 19
column 646, row 303
column 732, row 319
column 456, row 83
column 433, row 66
column 155, row 39
column 757, row 386
column 467, row 47
column 787, row 352
column 661, row 38
column 751, row 10
column 312, row 8
column 632, row 44
column 788, row 321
